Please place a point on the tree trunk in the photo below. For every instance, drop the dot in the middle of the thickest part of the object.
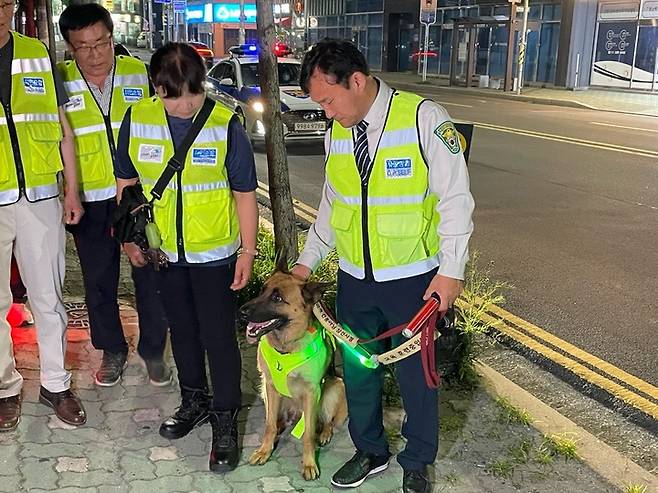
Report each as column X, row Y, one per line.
column 30, row 25
column 285, row 228
column 52, row 47
column 42, row 20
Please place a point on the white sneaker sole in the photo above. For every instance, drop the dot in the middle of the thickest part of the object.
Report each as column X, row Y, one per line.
column 111, row 384
column 381, row 468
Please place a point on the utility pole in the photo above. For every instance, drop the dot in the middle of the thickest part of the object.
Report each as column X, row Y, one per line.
column 522, row 47
column 285, row 228
column 242, row 35
column 149, row 8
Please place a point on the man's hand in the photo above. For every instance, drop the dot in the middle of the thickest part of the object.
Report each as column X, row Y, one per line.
column 301, row 271
column 243, row 268
column 73, row 210
column 447, row 288
column 135, row 254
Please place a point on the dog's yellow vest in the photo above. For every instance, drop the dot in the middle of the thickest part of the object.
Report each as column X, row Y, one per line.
column 314, row 355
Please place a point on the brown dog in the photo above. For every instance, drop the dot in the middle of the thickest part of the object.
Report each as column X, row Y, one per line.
column 281, row 320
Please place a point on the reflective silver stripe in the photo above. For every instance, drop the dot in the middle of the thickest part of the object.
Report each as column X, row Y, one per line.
column 393, row 138
column 89, row 130
column 42, row 192
column 116, row 125
column 153, row 132
column 35, row 117
column 351, row 269
column 3, row 120
column 78, row 85
column 211, row 134
column 172, row 256
column 409, row 270
column 341, row 146
column 349, row 200
column 398, row 200
column 131, row 80
column 8, row 197
column 206, row 187
column 214, row 254
column 99, row 194
column 27, row 65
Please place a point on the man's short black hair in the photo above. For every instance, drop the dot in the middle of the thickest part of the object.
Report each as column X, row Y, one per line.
column 79, row 16
column 177, row 66
column 334, row 57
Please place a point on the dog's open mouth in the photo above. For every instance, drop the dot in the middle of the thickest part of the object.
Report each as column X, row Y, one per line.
column 256, row 330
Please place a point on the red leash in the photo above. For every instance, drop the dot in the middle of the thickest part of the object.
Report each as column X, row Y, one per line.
column 425, row 322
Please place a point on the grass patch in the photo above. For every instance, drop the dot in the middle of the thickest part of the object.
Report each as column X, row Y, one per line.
column 451, row 423
column 501, row 468
column 511, row 414
column 522, row 451
column 636, row 488
column 565, row 445
column 451, row 478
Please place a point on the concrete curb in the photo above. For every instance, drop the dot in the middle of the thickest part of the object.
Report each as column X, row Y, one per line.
column 412, row 86
column 605, row 460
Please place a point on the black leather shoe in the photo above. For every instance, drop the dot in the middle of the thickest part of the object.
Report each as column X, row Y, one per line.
column 192, row 412
column 358, row 468
column 10, row 412
column 224, row 453
column 415, row 482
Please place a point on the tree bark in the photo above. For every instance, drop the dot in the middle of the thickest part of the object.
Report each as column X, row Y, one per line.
column 52, row 47
column 285, row 228
column 42, row 20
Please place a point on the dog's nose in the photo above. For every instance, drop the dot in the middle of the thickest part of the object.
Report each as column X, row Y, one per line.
column 243, row 311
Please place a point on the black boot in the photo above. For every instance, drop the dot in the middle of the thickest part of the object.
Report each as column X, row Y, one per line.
column 192, row 412
column 224, row 453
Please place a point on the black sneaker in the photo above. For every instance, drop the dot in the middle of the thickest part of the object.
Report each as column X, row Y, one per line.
column 111, row 368
column 192, row 412
column 159, row 372
column 415, row 482
column 358, row 468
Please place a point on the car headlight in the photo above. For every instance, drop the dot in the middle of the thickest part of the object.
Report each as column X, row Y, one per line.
column 257, row 106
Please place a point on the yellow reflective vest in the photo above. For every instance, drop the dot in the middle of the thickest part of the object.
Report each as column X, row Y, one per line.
column 31, row 123
column 394, row 216
column 96, row 135
column 205, row 223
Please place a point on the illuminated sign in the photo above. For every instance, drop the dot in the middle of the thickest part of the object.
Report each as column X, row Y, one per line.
column 219, row 12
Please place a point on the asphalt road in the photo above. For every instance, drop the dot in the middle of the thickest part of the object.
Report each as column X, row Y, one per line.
column 571, row 224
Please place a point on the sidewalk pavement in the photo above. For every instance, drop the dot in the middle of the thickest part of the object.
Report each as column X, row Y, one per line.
column 638, row 103
column 481, row 449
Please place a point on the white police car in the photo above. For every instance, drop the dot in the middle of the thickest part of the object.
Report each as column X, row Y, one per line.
column 234, row 81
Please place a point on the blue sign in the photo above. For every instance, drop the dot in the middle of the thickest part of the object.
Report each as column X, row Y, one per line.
column 179, row 6
column 219, row 12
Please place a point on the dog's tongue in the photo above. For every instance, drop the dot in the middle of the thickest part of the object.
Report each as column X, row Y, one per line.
column 253, row 328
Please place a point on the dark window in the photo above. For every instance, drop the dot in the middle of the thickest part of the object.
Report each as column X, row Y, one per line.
column 288, row 74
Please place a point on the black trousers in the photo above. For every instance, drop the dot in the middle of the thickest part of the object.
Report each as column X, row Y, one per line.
column 18, row 290
column 369, row 308
column 100, row 256
column 201, row 310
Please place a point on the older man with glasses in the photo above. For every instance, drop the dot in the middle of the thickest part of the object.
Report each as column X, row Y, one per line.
column 36, row 143
column 102, row 87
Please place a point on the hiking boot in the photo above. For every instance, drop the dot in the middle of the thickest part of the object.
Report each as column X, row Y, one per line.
column 111, row 368
column 358, row 468
column 224, row 453
column 192, row 412
column 159, row 372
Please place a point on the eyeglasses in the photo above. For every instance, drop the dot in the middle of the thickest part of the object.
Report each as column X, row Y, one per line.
column 86, row 50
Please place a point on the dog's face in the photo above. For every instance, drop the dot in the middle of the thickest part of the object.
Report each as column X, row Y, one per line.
column 283, row 309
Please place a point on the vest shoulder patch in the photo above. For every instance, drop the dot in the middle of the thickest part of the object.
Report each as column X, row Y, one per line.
column 399, row 168
column 151, row 153
column 132, row 94
column 34, row 85
column 447, row 133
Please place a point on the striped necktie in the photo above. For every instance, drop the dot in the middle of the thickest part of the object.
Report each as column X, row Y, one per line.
column 361, row 150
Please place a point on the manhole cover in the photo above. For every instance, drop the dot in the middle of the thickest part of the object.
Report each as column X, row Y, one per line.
column 77, row 312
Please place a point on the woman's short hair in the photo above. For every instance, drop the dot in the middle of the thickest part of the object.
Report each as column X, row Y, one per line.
column 177, row 66
column 334, row 57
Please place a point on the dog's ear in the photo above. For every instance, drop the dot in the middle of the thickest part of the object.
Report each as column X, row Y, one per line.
column 282, row 264
column 312, row 291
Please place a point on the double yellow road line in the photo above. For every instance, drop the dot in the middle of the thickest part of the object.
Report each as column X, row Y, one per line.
column 621, row 385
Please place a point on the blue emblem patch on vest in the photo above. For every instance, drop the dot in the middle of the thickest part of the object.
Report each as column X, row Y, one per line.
column 399, row 168
column 204, row 156
column 132, row 94
column 34, row 85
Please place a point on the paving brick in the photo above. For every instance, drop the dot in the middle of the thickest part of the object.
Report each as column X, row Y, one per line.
column 170, row 484
column 90, row 478
column 10, row 483
column 135, row 466
column 72, row 464
column 163, row 453
column 38, row 473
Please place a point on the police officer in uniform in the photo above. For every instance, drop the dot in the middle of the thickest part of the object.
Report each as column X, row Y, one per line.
column 208, row 218
column 396, row 205
column 101, row 88
column 36, row 143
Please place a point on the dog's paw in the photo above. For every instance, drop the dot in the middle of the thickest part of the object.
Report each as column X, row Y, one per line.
column 325, row 436
column 260, row 457
column 310, row 471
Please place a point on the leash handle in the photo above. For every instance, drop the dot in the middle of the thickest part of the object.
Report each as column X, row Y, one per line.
column 416, row 323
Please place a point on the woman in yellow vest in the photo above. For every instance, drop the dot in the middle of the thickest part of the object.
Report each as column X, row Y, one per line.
column 207, row 218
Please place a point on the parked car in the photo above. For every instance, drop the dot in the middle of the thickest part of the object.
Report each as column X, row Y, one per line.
column 204, row 51
column 142, row 40
column 234, row 81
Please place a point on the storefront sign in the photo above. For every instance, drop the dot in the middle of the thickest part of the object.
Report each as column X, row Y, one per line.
column 179, row 6
column 650, row 9
column 219, row 12
column 618, row 11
